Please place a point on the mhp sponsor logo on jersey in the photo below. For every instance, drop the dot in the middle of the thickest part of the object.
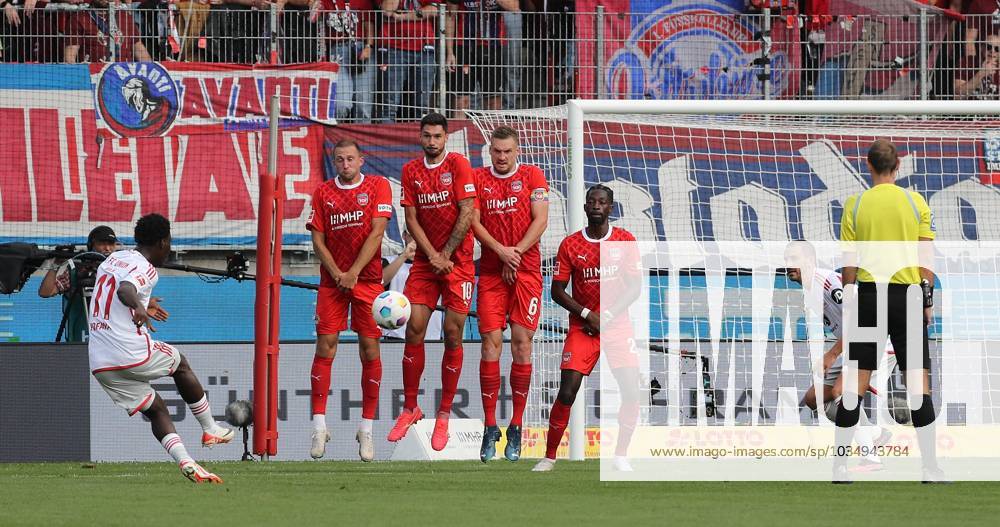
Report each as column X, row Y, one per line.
column 136, row 99
column 435, row 197
column 496, row 204
column 345, row 218
column 691, row 49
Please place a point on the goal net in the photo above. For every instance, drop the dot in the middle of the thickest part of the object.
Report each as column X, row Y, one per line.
column 756, row 172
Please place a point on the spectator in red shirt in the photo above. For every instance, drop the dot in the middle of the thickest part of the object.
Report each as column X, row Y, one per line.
column 89, row 36
column 408, row 53
column 978, row 76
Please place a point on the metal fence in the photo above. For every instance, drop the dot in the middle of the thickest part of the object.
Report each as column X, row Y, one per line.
column 397, row 64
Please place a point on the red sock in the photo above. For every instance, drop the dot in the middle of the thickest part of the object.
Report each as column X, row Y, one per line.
column 320, row 376
column 451, row 371
column 520, row 383
column 371, row 378
column 628, row 416
column 558, row 419
column 413, row 369
column 489, row 386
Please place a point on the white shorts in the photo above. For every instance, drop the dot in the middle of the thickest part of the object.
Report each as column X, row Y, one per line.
column 129, row 388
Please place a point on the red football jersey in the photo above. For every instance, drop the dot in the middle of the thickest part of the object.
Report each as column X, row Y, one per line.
column 504, row 203
column 435, row 191
column 579, row 261
column 344, row 214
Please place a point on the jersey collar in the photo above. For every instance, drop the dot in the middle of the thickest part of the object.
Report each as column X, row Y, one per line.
column 583, row 231
column 435, row 165
column 507, row 175
column 349, row 187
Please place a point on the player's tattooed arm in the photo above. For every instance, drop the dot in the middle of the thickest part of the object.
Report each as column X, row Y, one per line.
column 461, row 228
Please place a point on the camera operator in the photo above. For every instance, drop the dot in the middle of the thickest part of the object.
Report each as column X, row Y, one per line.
column 74, row 279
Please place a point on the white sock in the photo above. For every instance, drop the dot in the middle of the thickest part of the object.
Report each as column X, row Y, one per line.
column 319, row 421
column 203, row 413
column 865, row 433
column 175, row 447
column 366, row 425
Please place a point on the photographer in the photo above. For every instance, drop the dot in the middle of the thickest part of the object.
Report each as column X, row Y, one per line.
column 74, row 279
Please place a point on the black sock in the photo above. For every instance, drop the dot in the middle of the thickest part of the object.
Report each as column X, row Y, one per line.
column 923, row 422
column 846, row 420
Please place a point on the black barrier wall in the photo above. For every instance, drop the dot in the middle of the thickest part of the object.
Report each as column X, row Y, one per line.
column 44, row 403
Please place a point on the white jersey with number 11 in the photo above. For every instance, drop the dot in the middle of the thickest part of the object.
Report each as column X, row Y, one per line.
column 115, row 342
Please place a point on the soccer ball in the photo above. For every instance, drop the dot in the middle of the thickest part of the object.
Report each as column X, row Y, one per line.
column 391, row 310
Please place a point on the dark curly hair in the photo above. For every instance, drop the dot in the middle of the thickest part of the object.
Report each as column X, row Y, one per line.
column 610, row 193
column 150, row 229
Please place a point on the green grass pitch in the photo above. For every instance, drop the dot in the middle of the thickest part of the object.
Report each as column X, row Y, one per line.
column 453, row 494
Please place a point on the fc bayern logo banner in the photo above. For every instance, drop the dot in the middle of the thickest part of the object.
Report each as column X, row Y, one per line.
column 151, row 99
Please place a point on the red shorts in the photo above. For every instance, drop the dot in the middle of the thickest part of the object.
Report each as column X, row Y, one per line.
column 332, row 305
column 520, row 301
column 424, row 287
column 581, row 351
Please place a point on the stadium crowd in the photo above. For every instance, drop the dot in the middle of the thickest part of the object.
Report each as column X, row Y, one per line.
column 499, row 54
column 388, row 47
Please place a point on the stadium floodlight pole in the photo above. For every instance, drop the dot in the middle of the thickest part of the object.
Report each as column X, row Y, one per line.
column 576, row 220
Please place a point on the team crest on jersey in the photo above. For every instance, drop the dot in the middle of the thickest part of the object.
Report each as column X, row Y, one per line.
column 446, row 178
column 363, row 199
column 567, row 356
column 137, row 98
column 516, row 186
column 615, row 253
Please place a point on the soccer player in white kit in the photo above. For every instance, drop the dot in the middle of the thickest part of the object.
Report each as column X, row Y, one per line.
column 123, row 356
column 800, row 257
